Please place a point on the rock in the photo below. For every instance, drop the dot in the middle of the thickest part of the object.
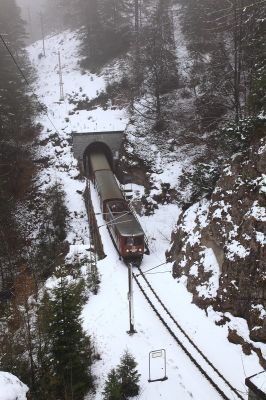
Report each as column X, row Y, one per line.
column 235, row 229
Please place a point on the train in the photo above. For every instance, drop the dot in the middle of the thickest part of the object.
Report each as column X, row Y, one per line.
column 124, row 228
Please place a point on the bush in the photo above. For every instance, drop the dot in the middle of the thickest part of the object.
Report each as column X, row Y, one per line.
column 237, row 137
column 203, row 180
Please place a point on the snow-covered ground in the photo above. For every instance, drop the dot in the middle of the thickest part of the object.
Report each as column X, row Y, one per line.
column 106, row 315
column 11, row 388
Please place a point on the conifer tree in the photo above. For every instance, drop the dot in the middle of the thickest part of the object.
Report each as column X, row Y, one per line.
column 58, row 211
column 128, row 375
column 123, row 381
column 159, row 61
column 16, row 129
column 113, row 389
column 70, row 348
column 232, row 76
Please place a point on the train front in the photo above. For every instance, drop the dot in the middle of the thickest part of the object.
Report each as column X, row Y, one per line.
column 132, row 244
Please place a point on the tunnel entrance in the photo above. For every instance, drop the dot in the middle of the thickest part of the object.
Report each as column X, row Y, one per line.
column 97, row 147
column 109, row 142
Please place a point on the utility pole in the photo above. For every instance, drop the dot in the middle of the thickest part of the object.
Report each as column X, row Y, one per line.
column 30, row 23
column 43, row 46
column 136, row 4
column 60, row 79
column 130, row 300
column 137, row 45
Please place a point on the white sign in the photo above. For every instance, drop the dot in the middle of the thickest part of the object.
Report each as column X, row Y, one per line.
column 157, row 365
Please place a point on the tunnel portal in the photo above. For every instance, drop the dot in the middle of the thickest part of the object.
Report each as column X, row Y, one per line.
column 109, row 142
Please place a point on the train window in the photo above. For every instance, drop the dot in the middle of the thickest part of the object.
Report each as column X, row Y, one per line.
column 138, row 241
column 117, row 207
column 134, row 241
column 130, row 241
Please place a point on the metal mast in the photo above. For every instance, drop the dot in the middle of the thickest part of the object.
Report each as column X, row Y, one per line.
column 43, row 46
column 130, row 300
column 60, row 79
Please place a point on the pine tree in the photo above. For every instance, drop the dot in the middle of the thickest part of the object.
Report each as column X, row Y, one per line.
column 107, row 30
column 70, row 348
column 128, row 375
column 232, row 76
column 93, row 279
column 52, row 232
column 113, row 389
column 16, row 130
column 159, row 61
column 58, row 211
column 123, row 381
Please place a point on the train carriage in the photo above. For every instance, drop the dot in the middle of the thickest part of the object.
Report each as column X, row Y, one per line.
column 107, row 188
column 124, row 228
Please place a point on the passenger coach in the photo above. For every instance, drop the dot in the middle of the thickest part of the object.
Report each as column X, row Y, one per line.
column 124, row 228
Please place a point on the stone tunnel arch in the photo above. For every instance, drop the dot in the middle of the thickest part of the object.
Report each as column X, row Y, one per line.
column 97, row 147
column 109, row 141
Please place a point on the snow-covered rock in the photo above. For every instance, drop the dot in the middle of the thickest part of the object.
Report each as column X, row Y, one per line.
column 11, row 388
column 234, row 229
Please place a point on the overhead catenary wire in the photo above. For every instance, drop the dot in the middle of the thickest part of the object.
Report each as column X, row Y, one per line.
column 160, row 272
column 25, row 79
column 157, row 266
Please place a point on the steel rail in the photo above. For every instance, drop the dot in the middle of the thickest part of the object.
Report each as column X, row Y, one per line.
column 189, row 339
column 186, row 351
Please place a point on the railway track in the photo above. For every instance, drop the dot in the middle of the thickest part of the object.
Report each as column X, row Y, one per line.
column 196, row 356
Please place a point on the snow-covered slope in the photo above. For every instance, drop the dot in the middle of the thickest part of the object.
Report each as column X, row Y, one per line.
column 106, row 315
column 11, row 388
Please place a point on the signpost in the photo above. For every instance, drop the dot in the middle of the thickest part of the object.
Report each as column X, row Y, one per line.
column 157, row 366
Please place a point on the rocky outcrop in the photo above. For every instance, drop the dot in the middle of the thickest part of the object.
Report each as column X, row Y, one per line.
column 220, row 244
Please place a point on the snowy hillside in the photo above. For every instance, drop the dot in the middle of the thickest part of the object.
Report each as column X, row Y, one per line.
column 11, row 388
column 106, row 314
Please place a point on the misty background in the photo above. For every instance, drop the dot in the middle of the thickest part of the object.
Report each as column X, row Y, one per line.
column 49, row 14
column 31, row 13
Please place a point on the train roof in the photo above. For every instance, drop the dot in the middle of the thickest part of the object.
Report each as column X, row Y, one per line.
column 99, row 162
column 128, row 225
column 107, row 185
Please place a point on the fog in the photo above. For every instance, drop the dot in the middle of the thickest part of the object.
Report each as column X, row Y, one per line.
column 30, row 12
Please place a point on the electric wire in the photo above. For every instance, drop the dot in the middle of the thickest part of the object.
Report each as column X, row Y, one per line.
column 157, row 266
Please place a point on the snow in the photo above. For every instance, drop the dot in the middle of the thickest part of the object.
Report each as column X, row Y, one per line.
column 11, row 388
column 76, row 85
column 106, row 314
column 227, row 170
column 258, row 212
column 261, row 238
column 261, row 310
column 236, row 249
column 210, row 264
